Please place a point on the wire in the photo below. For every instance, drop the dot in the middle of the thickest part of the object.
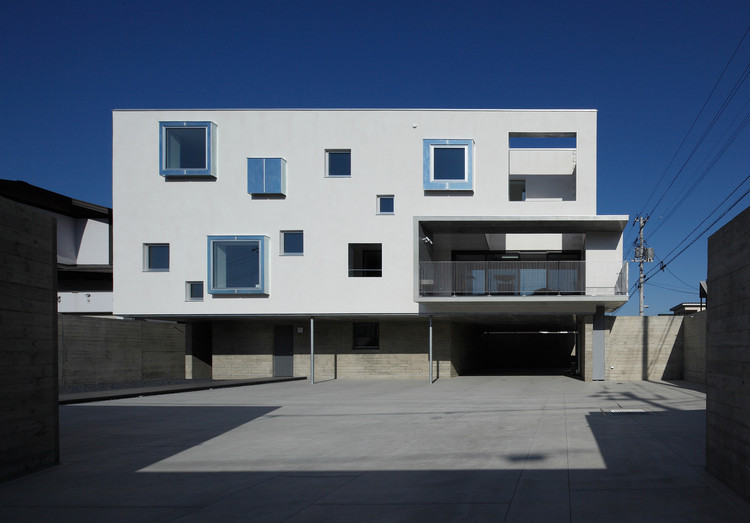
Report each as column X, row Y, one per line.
column 671, row 288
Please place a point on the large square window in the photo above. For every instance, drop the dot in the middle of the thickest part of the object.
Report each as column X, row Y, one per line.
column 448, row 165
column 156, row 257
column 338, row 163
column 366, row 336
column 365, row 260
column 237, row 265
column 292, row 243
column 187, row 149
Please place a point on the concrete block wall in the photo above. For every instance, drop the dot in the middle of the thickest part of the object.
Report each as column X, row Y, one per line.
column 643, row 348
column 694, row 347
column 108, row 350
column 244, row 349
column 728, row 355
column 28, row 340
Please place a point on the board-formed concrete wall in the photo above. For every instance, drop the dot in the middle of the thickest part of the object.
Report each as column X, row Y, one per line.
column 28, row 340
column 728, row 355
column 109, row 350
column 694, row 347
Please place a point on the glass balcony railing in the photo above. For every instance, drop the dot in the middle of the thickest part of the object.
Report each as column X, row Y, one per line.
column 522, row 278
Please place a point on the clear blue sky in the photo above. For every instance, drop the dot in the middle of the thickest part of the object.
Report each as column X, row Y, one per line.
column 647, row 66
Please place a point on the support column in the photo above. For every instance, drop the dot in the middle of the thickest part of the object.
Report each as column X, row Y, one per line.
column 312, row 350
column 430, row 373
column 598, row 345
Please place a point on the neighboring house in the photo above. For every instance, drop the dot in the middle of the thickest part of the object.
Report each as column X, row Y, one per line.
column 84, row 254
column 379, row 239
column 685, row 308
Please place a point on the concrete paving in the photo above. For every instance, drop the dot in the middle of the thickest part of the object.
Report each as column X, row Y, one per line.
column 500, row 448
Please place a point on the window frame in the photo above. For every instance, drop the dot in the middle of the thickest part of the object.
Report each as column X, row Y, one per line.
column 147, row 257
column 363, row 272
column 189, row 290
column 210, row 149
column 263, row 263
column 378, row 206
column 428, row 166
column 282, row 243
column 328, row 163
column 365, row 324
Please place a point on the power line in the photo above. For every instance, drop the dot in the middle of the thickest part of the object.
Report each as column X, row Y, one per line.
column 679, row 148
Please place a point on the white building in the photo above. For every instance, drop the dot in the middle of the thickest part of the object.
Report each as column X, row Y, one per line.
column 379, row 239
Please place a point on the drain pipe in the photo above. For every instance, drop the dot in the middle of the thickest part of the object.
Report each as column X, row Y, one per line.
column 312, row 350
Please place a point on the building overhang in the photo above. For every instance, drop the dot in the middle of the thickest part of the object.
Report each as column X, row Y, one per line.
column 519, row 304
column 521, row 224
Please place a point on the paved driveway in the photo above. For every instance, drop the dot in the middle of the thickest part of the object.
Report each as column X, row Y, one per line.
column 496, row 448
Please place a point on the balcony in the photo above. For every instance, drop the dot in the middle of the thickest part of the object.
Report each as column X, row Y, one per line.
column 522, row 278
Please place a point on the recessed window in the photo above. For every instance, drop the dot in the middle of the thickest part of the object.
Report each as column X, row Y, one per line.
column 292, row 243
column 194, row 291
column 187, row 148
column 156, row 257
column 542, row 140
column 338, row 163
column 517, row 190
column 365, row 260
column 366, row 336
column 237, row 265
column 385, row 204
column 448, row 165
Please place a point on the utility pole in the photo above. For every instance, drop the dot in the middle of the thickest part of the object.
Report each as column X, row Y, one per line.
column 642, row 254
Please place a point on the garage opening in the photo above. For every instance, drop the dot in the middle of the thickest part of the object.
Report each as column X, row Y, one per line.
column 547, row 348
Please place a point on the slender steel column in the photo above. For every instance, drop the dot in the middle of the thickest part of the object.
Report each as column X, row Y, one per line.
column 430, row 349
column 312, row 350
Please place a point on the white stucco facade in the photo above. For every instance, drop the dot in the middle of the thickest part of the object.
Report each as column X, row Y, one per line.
column 386, row 154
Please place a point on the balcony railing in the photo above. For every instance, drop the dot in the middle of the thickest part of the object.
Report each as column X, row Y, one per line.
column 521, row 278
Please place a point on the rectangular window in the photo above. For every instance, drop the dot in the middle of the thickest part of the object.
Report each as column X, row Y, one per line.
column 187, row 149
column 156, row 257
column 194, row 291
column 517, row 190
column 448, row 165
column 266, row 176
column 237, row 265
column 542, row 140
column 366, row 336
column 292, row 243
column 338, row 163
column 365, row 260
column 385, row 204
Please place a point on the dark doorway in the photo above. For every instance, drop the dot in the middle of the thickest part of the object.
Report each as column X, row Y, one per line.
column 283, row 351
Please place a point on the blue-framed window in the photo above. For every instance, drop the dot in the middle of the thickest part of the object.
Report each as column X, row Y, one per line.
column 187, row 149
column 448, row 165
column 156, row 257
column 292, row 243
column 266, row 176
column 385, row 204
column 338, row 163
column 238, row 265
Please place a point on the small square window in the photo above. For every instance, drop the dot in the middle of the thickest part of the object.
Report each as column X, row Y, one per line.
column 194, row 291
column 366, row 336
column 187, row 149
column 517, row 190
column 448, row 165
column 365, row 260
column 156, row 257
column 385, row 204
column 338, row 163
column 292, row 243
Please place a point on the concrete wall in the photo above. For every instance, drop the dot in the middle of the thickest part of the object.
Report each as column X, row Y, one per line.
column 28, row 340
column 643, row 348
column 105, row 350
column 694, row 347
column 244, row 349
column 728, row 355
